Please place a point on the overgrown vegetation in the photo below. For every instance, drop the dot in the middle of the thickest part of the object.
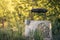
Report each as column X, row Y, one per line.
column 14, row 12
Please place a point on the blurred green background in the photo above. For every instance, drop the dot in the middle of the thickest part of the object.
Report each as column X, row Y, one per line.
column 14, row 12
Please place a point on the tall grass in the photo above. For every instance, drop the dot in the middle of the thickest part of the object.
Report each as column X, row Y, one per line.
column 35, row 35
column 38, row 35
column 10, row 35
column 15, row 35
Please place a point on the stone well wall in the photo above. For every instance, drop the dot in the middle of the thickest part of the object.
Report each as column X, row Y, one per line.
column 44, row 26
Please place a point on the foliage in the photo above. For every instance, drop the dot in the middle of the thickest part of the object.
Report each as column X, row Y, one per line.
column 14, row 12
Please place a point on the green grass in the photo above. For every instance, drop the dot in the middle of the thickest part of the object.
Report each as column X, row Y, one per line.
column 10, row 35
column 15, row 35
